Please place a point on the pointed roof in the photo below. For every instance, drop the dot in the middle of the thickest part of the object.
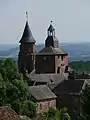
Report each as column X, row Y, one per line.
column 51, row 51
column 27, row 35
column 51, row 28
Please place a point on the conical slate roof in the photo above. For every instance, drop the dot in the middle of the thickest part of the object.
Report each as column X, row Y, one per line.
column 27, row 35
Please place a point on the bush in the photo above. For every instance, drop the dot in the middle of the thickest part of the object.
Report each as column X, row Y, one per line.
column 55, row 114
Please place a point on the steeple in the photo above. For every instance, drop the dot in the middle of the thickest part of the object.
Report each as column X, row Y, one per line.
column 26, row 57
column 51, row 38
column 51, row 30
column 27, row 34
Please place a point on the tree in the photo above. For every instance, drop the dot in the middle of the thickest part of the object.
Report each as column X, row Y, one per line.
column 55, row 114
column 13, row 87
column 28, row 108
column 81, row 66
column 85, row 103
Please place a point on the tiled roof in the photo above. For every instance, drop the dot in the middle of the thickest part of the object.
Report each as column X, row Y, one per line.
column 69, row 87
column 41, row 92
column 6, row 113
column 48, row 78
column 51, row 51
column 27, row 35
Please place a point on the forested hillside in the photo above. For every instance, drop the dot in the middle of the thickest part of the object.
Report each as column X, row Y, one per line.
column 81, row 66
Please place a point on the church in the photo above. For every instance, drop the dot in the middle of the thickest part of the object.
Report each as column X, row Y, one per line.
column 51, row 59
column 49, row 69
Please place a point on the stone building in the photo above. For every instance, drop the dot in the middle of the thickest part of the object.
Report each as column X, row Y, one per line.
column 52, row 58
column 48, row 68
column 68, row 94
column 26, row 57
column 43, row 97
column 55, row 59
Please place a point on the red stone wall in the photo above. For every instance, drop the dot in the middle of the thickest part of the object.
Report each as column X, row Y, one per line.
column 61, row 63
column 27, row 57
column 45, row 105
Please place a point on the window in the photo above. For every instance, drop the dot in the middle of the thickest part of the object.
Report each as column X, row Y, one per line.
column 40, row 106
column 62, row 57
column 45, row 58
column 58, row 56
column 58, row 70
column 48, row 104
column 32, row 57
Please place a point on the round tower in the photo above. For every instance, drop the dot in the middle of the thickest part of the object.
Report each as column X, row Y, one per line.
column 26, row 57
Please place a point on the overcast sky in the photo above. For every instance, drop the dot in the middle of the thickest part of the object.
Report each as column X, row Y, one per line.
column 71, row 19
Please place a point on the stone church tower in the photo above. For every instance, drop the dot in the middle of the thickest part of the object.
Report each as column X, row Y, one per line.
column 26, row 57
column 52, row 58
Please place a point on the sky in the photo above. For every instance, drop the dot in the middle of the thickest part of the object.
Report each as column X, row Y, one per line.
column 71, row 19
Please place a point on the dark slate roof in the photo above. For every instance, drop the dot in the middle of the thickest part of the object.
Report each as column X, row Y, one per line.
column 41, row 92
column 87, row 81
column 6, row 113
column 69, row 87
column 51, row 51
column 51, row 28
column 27, row 35
column 51, row 79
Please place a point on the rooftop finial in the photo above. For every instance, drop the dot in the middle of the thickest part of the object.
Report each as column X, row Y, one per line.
column 51, row 22
column 26, row 16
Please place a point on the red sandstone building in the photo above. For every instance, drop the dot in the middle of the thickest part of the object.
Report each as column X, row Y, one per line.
column 51, row 59
column 43, row 97
column 49, row 67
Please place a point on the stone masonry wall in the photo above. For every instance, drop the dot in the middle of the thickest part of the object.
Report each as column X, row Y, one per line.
column 45, row 105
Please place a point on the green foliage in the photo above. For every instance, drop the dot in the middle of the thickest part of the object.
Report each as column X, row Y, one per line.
column 81, row 66
column 28, row 108
column 85, row 102
column 55, row 114
column 13, row 88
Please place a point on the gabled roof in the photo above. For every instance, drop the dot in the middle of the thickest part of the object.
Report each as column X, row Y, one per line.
column 52, row 80
column 47, row 77
column 51, row 51
column 6, row 113
column 70, row 87
column 41, row 92
column 27, row 35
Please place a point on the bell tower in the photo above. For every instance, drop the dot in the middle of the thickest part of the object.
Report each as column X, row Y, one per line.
column 51, row 38
column 26, row 57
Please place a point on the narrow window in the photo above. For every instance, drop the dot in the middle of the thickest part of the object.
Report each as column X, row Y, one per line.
column 32, row 57
column 45, row 58
column 58, row 56
column 40, row 106
column 62, row 57
column 48, row 104
column 58, row 70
